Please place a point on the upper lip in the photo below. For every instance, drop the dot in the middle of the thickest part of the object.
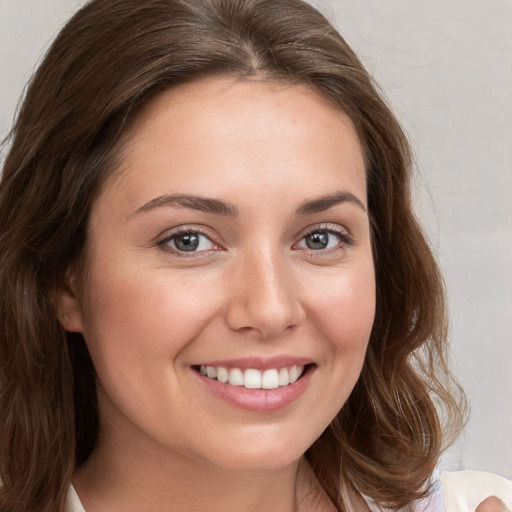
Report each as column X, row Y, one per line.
column 259, row 363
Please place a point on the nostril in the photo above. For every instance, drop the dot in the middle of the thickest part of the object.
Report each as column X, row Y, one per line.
column 266, row 320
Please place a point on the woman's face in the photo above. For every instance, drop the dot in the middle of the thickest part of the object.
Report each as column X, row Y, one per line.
column 234, row 241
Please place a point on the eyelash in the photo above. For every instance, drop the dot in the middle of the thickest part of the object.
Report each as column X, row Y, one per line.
column 344, row 238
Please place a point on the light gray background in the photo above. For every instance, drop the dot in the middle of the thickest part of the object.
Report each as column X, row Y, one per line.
column 446, row 67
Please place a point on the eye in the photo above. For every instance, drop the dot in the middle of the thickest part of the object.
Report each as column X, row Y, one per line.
column 325, row 239
column 188, row 242
column 319, row 240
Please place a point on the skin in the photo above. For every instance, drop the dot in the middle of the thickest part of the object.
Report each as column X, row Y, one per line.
column 149, row 313
column 492, row 504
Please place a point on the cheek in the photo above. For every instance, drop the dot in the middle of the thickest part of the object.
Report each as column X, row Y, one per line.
column 138, row 329
column 343, row 310
column 134, row 321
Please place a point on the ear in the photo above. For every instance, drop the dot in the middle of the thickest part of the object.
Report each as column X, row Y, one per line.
column 68, row 304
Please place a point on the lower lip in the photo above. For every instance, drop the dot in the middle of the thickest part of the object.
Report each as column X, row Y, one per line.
column 258, row 400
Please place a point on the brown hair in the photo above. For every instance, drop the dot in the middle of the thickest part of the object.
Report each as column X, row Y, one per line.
column 111, row 58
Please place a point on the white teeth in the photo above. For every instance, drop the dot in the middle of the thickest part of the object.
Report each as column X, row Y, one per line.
column 284, row 377
column 295, row 373
column 236, row 377
column 270, row 379
column 254, row 379
column 222, row 374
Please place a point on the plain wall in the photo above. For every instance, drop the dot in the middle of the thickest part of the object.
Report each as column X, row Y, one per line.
column 446, row 67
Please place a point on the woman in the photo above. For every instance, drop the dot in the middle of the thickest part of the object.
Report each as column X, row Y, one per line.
column 215, row 293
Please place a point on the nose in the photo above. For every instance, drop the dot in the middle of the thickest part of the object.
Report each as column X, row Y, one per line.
column 264, row 296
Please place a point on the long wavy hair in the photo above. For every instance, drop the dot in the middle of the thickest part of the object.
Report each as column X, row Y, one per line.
column 109, row 60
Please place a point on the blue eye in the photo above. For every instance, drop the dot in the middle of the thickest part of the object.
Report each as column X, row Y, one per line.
column 189, row 241
column 319, row 240
column 323, row 239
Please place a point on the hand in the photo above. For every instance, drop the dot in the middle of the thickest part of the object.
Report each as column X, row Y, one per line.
column 492, row 504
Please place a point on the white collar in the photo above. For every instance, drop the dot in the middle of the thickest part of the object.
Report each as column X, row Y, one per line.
column 73, row 503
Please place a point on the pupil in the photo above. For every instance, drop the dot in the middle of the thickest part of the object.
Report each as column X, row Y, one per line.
column 188, row 242
column 317, row 240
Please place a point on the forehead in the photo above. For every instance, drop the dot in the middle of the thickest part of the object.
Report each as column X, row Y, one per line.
column 243, row 132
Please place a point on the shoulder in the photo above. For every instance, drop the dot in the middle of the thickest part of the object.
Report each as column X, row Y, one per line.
column 466, row 490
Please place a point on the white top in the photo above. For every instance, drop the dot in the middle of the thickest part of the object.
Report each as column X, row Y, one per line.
column 459, row 491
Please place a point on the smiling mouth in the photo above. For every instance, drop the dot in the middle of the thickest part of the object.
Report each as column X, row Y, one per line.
column 251, row 378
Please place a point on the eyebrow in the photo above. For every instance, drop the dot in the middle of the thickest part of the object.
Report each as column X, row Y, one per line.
column 203, row 204
column 225, row 208
column 327, row 201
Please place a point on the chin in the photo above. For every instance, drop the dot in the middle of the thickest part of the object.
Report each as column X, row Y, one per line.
column 259, row 453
